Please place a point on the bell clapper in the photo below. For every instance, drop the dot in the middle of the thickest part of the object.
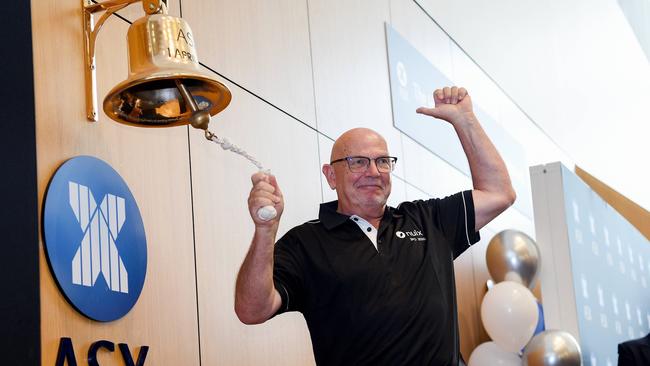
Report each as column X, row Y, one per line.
column 200, row 118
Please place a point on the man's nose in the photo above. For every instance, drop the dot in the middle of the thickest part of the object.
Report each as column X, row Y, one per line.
column 372, row 169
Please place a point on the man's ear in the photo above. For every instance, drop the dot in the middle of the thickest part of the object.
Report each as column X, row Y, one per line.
column 329, row 174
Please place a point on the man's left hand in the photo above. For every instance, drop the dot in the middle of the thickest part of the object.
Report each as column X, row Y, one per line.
column 452, row 104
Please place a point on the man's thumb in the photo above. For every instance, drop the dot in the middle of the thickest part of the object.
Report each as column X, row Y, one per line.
column 433, row 112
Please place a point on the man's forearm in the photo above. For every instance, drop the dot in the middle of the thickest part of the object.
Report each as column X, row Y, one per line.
column 488, row 170
column 256, row 299
column 490, row 176
column 493, row 191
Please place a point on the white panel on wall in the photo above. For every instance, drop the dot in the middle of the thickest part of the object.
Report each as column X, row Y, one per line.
column 438, row 136
column 413, row 193
column 412, row 23
column 398, row 192
column 412, row 80
column 539, row 148
column 429, row 173
column 261, row 45
column 490, row 103
column 351, row 69
column 506, row 24
column 484, row 92
column 325, row 148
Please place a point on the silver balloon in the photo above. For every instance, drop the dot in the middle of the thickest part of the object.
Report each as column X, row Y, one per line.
column 552, row 348
column 513, row 256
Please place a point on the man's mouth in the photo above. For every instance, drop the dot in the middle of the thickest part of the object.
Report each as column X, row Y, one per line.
column 370, row 186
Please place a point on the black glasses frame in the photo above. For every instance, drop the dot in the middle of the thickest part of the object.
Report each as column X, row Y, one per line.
column 347, row 159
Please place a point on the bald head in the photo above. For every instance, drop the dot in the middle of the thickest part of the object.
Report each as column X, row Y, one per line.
column 362, row 193
column 348, row 143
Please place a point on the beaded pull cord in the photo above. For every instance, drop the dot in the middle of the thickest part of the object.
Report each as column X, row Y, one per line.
column 265, row 213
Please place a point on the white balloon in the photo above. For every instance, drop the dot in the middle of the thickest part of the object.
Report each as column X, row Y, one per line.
column 489, row 354
column 509, row 313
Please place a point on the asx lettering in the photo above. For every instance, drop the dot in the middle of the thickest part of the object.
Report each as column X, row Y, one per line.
column 66, row 353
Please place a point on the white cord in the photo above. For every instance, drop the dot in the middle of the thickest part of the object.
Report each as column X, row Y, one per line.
column 227, row 145
column 265, row 213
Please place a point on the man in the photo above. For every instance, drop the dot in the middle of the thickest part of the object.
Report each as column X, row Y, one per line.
column 374, row 283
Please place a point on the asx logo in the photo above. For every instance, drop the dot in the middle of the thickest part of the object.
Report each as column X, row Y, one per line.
column 97, row 252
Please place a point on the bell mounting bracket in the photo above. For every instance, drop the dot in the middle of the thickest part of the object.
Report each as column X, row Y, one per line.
column 91, row 29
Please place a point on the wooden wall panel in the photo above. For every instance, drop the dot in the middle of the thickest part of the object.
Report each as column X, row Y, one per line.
column 469, row 309
column 155, row 165
column 262, row 45
column 221, row 183
column 480, row 277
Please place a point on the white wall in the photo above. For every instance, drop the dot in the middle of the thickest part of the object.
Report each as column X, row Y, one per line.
column 576, row 68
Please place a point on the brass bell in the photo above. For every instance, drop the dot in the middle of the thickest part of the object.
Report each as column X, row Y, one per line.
column 165, row 86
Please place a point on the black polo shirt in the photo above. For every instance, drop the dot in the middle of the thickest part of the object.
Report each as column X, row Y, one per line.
column 393, row 305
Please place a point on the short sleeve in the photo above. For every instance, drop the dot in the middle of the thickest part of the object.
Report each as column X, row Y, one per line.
column 454, row 216
column 287, row 273
column 625, row 357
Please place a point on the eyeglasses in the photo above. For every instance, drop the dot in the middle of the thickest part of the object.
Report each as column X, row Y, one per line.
column 359, row 164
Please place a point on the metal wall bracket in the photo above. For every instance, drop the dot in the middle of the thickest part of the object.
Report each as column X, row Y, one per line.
column 91, row 29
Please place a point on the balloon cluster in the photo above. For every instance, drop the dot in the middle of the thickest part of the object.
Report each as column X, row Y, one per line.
column 512, row 316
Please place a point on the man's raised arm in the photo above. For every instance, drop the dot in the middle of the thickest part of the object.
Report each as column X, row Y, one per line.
column 256, row 299
column 493, row 191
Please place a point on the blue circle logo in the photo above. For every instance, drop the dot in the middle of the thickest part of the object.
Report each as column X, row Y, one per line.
column 94, row 238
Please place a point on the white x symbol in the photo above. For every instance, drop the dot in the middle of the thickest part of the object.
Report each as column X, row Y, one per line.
column 97, row 252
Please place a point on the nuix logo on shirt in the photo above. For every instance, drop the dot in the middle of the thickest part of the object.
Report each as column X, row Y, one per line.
column 413, row 235
column 94, row 238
